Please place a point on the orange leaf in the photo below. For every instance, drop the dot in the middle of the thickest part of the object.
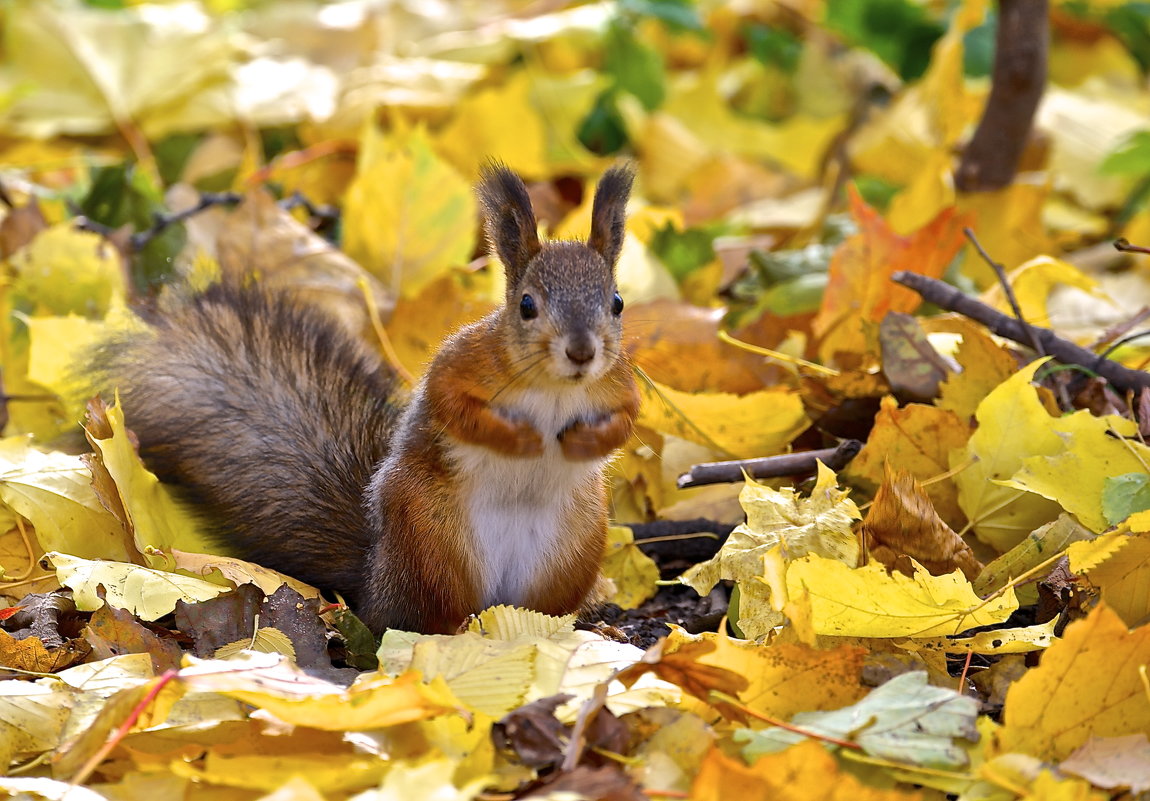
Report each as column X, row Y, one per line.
column 859, row 288
column 804, row 772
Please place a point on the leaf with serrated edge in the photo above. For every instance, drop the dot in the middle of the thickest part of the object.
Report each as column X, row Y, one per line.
column 869, row 602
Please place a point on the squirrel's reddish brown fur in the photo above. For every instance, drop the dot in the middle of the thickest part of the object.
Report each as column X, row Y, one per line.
column 487, row 488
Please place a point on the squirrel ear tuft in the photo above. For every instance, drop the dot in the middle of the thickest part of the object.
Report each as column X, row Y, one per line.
column 609, row 213
column 508, row 220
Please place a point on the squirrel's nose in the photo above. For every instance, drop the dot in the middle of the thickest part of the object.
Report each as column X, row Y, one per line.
column 581, row 351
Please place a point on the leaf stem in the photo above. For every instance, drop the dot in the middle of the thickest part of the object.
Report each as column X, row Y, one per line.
column 730, row 700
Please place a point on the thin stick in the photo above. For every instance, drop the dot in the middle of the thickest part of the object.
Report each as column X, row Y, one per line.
column 788, row 464
column 1124, row 246
column 951, row 299
column 1008, row 290
column 730, row 700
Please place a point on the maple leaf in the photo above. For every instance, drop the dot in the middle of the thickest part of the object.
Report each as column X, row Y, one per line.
column 860, row 290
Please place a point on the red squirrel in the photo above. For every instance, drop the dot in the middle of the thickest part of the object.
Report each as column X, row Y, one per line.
column 487, row 488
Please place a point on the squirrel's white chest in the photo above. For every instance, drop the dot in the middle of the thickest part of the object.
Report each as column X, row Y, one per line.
column 516, row 506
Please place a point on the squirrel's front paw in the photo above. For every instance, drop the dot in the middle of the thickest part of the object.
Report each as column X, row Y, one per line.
column 525, row 440
column 582, row 442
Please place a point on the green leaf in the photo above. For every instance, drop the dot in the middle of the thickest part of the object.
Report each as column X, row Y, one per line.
column 897, row 31
column 905, row 720
column 635, row 67
column 1132, row 157
column 1124, row 495
column 678, row 15
column 124, row 195
column 774, row 47
column 683, row 252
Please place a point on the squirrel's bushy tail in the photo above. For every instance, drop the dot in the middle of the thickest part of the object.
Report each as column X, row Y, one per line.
column 267, row 417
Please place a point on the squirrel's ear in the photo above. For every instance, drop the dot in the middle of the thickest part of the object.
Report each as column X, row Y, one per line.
column 609, row 213
column 508, row 220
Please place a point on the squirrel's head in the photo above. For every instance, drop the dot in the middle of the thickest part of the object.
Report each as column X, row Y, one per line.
column 563, row 310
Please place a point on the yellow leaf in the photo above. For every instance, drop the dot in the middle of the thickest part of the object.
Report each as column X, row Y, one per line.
column 67, row 271
column 819, row 524
column 230, row 570
column 1036, row 548
column 985, row 364
column 91, row 70
column 633, row 572
column 158, row 520
column 1033, row 282
column 1091, row 683
column 1009, row 225
column 931, row 191
column 148, row 594
column 869, row 602
column 500, row 123
column 916, row 438
column 785, row 678
column 506, row 623
column 269, row 682
column 996, row 641
column 743, row 426
column 54, row 343
column 54, row 491
column 1012, row 426
column 327, row 773
column 1119, row 565
column 1076, row 475
column 408, row 215
column 798, row 143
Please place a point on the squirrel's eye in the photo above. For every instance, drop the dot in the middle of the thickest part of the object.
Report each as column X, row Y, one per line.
column 617, row 304
column 527, row 308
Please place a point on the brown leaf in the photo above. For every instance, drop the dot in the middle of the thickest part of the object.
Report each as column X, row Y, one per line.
column 533, row 732
column 902, row 523
column 20, row 226
column 114, row 631
column 911, row 364
column 604, row 783
column 1113, row 762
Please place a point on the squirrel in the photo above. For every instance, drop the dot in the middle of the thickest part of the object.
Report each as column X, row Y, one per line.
column 285, row 434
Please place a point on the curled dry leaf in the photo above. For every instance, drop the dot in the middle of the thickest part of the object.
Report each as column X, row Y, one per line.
column 902, row 525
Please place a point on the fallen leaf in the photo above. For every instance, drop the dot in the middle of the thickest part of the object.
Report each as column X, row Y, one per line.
column 784, row 678
column 905, row 720
column 902, row 524
column 633, row 572
column 408, row 215
column 148, row 594
column 916, row 438
column 804, row 772
column 860, row 288
column 748, row 426
column 985, row 365
column 1089, row 684
column 1112, row 762
column 1013, row 426
column 1119, row 566
column 819, row 524
column 869, row 602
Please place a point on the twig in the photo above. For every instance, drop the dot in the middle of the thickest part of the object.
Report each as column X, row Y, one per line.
column 1124, row 246
column 161, row 222
column 1008, row 290
column 951, row 299
column 788, row 464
